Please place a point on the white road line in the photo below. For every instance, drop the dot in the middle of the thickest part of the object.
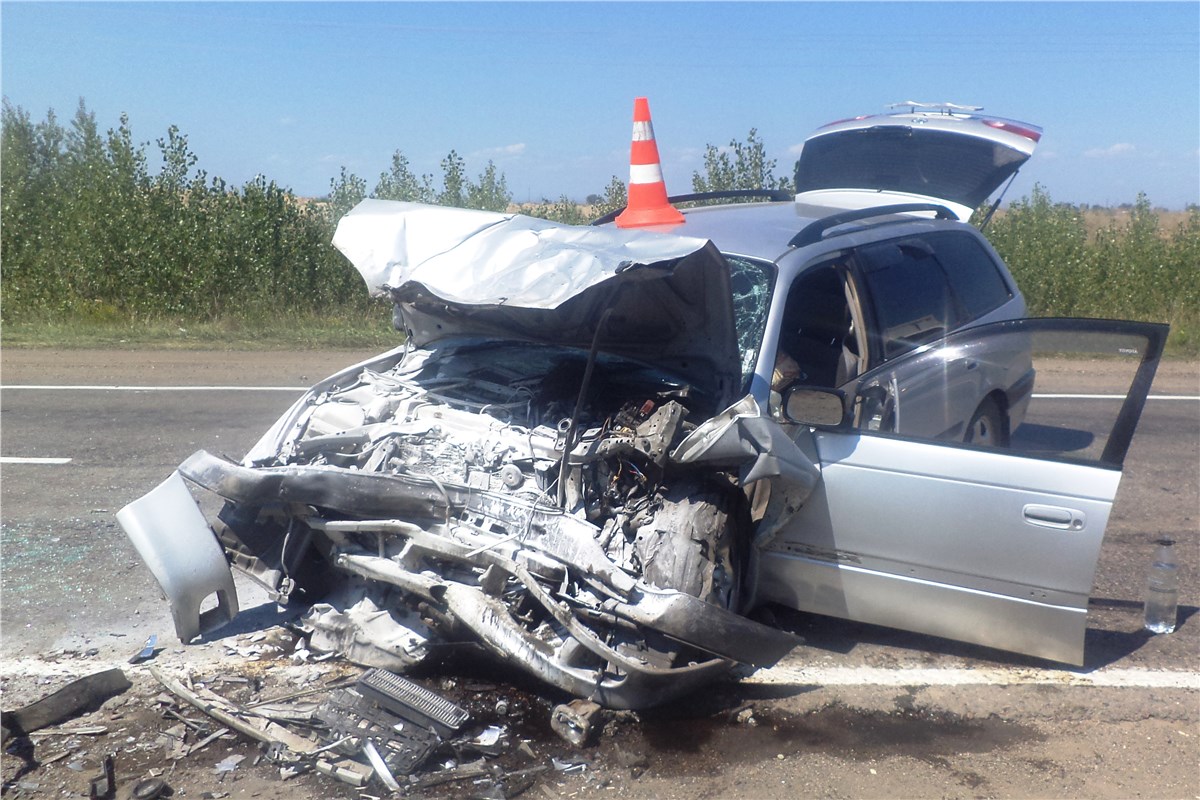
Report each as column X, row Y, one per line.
column 117, row 388
column 1193, row 398
column 921, row 676
column 1131, row 678
column 18, row 460
column 82, row 388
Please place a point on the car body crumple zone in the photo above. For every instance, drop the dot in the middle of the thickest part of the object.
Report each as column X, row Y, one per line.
column 432, row 480
column 568, row 463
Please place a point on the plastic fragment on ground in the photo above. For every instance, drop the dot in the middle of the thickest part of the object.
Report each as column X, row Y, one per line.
column 575, row 721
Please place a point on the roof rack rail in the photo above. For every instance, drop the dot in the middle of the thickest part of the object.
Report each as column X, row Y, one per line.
column 815, row 231
column 726, row 194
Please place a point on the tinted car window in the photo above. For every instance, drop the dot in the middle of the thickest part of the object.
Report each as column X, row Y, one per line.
column 911, row 295
column 972, row 273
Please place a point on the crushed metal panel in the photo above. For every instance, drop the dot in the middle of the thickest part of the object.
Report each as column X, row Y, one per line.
column 471, row 257
column 353, row 624
column 454, row 272
column 770, row 464
column 379, row 240
column 743, row 436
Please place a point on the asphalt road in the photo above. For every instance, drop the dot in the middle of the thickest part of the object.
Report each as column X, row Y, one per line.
column 72, row 582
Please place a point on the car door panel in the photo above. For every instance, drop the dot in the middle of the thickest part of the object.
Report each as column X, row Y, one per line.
column 992, row 546
column 945, row 548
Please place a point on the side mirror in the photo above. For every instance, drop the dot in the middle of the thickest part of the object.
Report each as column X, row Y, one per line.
column 814, row 405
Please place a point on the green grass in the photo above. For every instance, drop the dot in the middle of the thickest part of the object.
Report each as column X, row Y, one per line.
column 281, row 332
column 1184, row 339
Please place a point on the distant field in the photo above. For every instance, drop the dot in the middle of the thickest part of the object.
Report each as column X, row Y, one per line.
column 1097, row 219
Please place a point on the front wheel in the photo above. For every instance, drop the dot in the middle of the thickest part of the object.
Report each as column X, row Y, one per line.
column 988, row 426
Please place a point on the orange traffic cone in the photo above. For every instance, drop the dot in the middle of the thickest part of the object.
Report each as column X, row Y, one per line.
column 647, row 192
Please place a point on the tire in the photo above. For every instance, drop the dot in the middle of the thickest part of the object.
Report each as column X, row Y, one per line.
column 691, row 543
column 988, row 426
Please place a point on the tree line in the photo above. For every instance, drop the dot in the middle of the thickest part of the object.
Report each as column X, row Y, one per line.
column 89, row 230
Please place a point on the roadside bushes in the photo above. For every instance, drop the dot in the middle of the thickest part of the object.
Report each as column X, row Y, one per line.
column 90, row 232
column 1129, row 267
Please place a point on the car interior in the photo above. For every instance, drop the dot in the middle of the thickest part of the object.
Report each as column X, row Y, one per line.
column 818, row 328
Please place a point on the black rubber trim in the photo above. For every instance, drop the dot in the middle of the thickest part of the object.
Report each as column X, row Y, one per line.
column 775, row 195
column 815, row 231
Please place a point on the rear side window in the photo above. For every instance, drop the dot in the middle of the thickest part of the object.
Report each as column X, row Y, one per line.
column 924, row 287
column 973, row 275
column 911, row 295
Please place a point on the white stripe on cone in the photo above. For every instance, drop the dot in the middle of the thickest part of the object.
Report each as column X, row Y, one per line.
column 645, row 173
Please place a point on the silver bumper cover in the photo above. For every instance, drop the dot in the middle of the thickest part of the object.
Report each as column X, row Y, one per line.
column 173, row 538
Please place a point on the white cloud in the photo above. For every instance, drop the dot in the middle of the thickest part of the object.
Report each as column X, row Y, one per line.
column 1113, row 151
column 795, row 149
column 504, row 151
column 684, row 155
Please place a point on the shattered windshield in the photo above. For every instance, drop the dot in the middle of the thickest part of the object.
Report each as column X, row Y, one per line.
column 752, row 282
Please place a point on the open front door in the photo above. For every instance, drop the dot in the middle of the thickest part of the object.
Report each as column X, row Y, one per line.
column 994, row 544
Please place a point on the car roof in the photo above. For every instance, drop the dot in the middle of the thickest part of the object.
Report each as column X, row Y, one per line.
column 758, row 230
column 772, row 231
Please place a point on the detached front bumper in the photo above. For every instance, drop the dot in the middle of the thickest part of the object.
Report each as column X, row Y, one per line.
column 174, row 540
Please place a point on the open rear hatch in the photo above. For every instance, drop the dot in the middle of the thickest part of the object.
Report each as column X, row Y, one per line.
column 946, row 154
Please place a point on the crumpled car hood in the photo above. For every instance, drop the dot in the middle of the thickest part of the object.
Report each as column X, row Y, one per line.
column 659, row 298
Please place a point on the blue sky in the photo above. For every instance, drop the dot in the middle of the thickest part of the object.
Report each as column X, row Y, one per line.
column 296, row 91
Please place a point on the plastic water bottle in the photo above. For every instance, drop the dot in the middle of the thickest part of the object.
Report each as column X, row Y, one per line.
column 1162, row 589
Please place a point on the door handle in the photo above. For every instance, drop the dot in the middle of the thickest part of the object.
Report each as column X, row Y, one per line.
column 1056, row 517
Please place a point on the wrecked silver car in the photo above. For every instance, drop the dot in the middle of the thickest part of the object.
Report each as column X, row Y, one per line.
column 506, row 475
column 578, row 460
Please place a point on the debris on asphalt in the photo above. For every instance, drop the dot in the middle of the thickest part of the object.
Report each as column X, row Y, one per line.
column 564, row 765
column 104, row 787
column 151, row 789
column 78, row 697
column 229, row 763
column 380, row 766
column 148, row 650
column 378, row 733
column 354, row 719
column 464, row 772
column 576, row 721
column 207, row 740
column 491, row 741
